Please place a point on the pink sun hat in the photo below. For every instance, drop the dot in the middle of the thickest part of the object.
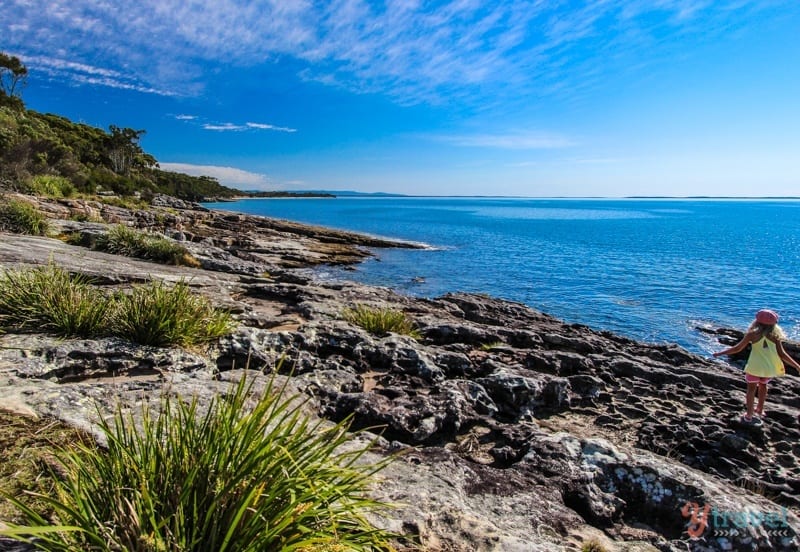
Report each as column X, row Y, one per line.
column 767, row 317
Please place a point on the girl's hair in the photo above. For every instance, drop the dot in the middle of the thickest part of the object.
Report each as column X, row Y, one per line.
column 773, row 330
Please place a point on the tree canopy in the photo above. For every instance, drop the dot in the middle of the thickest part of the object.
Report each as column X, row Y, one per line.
column 13, row 75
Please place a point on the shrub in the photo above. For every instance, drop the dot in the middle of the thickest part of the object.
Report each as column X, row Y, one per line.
column 47, row 298
column 122, row 240
column 155, row 314
column 52, row 186
column 229, row 479
column 381, row 321
column 20, row 217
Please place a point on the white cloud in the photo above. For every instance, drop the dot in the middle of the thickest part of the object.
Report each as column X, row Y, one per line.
column 182, row 117
column 513, row 141
column 227, row 176
column 89, row 74
column 224, row 127
column 264, row 126
column 467, row 50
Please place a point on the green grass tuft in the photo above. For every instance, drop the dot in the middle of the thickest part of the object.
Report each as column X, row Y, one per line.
column 493, row 345
column 122, row 240
column 593, row 546
column 20, row 217
column 381, row 321
column 49, row 299
column 232, row 478
column 155, row 314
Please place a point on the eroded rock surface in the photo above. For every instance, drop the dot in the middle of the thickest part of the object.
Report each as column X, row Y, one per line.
column 517, row 431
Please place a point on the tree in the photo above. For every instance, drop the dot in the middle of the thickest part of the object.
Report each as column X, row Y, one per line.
column 13, row 75
column 124, row 149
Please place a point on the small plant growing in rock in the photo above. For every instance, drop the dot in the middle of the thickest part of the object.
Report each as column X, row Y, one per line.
column 593, row 546
column 47, row 298
column 20, row 217
column 493, row 345
column 381, row 321
column 122, row 240
column 232, row 477
column 156, row 314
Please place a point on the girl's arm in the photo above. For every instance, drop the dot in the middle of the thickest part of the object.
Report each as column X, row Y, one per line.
column 785, row 356
column 748, row 338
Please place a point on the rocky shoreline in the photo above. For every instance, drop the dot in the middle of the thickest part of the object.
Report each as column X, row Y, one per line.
column 518, row 431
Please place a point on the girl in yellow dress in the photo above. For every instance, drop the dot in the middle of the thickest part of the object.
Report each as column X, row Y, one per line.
column 765, row 362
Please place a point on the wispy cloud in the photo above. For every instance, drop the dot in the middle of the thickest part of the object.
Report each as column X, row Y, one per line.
column 514, row 141
column 89, row 74
column 226, row 127
column 264, row 126
column 228, row 176
column 466, row 50
column 182, row 117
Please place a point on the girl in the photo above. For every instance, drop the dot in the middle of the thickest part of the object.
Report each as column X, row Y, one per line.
column 766, row 359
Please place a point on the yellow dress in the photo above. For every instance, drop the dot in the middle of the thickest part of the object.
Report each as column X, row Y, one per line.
column 764, row 361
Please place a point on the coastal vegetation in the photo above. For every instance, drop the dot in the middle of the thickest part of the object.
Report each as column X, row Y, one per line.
column 381, row 321
column 158, row 314
column 47, row 154
column 232, row 477
column 48, row 298
column 123, row 240
column 20, row 217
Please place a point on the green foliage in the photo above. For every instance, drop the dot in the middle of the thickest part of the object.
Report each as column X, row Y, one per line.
column 47, row 298
column 12, row 77
column 34, row 144
column 155, row 314
column 381, row 321
column 52, row 186
column 593, row 546
column 234, row 478
column 190, row 188
column 20, row 217
column 486, row 347
column 122, row 240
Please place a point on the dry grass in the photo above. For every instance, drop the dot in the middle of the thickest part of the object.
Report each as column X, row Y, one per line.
column 27, row 448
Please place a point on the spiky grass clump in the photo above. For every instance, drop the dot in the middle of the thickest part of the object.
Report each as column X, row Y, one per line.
column 122, row 240
column 156, row 314
column 232, row 479
column 380, row 321
column 47, row 298
column 20, row 217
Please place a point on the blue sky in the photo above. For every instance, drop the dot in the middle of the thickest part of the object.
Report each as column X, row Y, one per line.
column 528, row 98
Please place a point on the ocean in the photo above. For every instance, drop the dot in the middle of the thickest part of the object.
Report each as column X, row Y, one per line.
column 651, row 269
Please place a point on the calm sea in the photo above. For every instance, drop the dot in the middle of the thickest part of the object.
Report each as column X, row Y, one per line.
column 652, row 270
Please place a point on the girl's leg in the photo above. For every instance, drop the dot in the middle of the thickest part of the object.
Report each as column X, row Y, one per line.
column 751, row 394
column 762, row 396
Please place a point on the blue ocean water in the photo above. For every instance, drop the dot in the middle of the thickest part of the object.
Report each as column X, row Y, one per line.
column 652, row 270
